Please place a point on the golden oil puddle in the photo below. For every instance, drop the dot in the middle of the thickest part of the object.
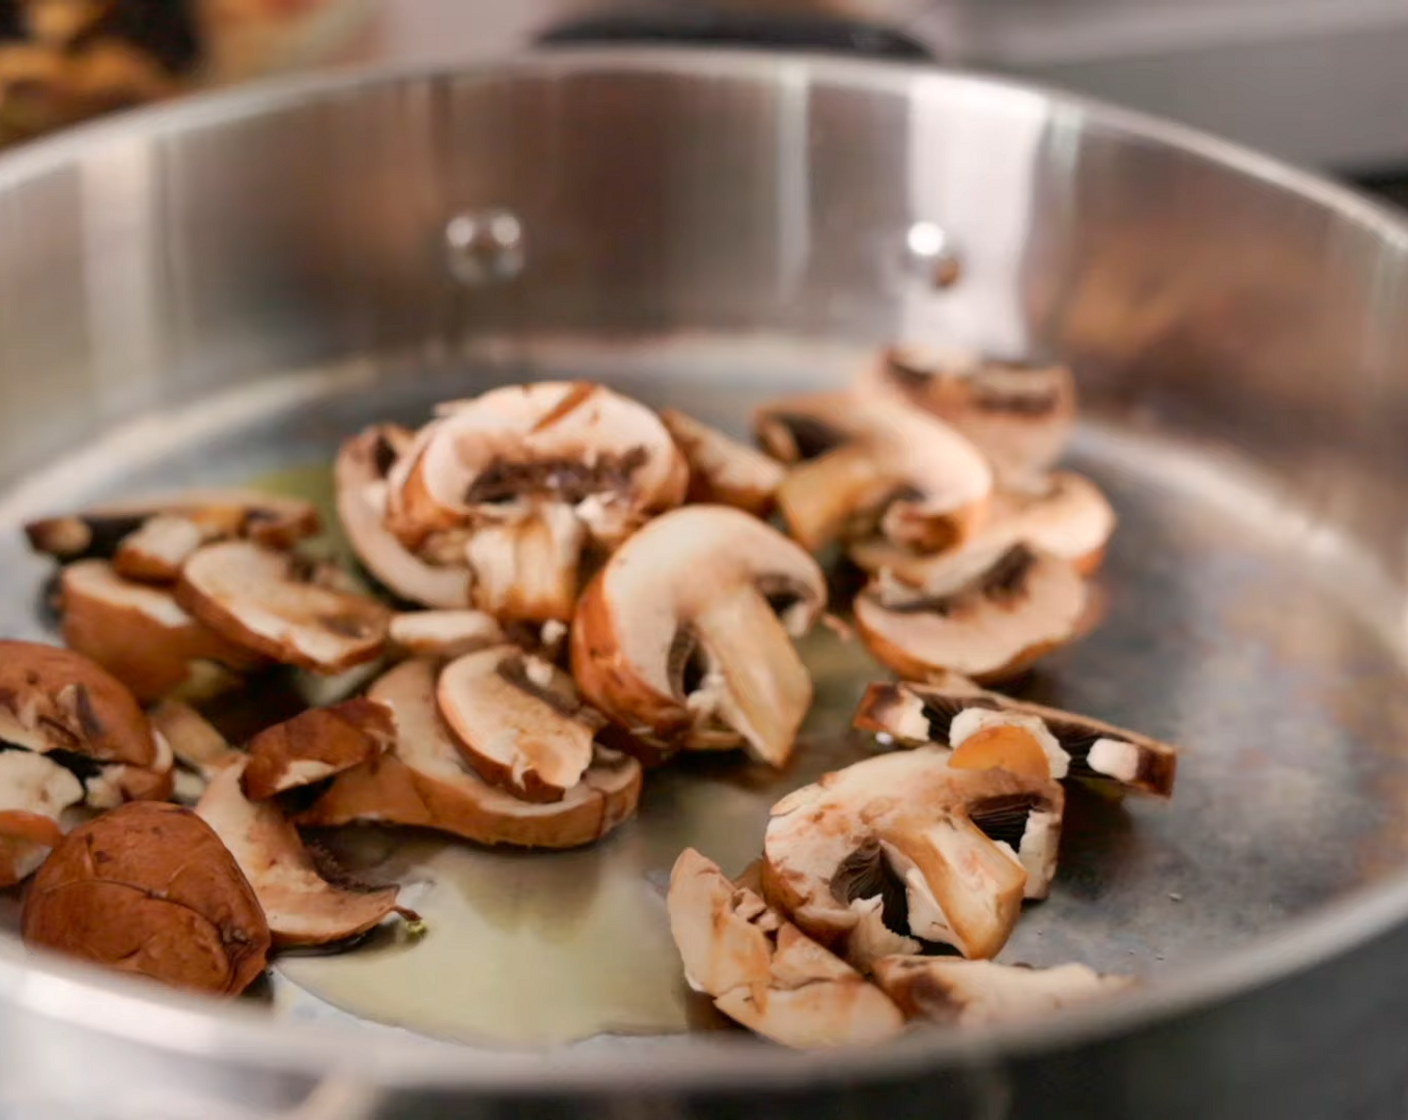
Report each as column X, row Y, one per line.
column 538, row 948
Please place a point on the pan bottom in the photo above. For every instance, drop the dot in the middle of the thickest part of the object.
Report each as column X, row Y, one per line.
column 1229, row 629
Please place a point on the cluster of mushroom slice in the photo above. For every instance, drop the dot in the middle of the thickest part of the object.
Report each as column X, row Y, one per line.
column 934, row 474
column 866, row 875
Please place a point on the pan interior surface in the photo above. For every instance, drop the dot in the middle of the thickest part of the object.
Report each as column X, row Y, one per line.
column 1234, row 625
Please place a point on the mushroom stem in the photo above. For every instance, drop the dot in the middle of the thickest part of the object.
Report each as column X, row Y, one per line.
column 755, row 680
column 820, row 496
column 527, row 570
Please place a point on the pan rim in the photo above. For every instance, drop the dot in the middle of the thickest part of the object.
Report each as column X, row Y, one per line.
column 71, row 993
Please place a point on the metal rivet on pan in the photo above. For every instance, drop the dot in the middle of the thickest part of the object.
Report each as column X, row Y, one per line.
column 484, row 246
column 932, row 254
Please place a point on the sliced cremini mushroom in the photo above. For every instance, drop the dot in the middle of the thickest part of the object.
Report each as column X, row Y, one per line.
column 315, row 745
column 198, row 748
column 1064, row 515
column 519, row 721
column 269, row 519
column 723, row 471
column 685, row 635
column 443, row 633
column 511, row 451
column 34, row 792
column 954, row 711
column 908, row 829
column 989, row 614
column 527, row 568
column 1019, row 415
column 261, row 600
column 149, row 889
column 975, row 993
column 143, row 637
column 155, row 552
column 360, row 480
column 763, row 972
column 870, row 463
column 301, row 906
column 426, row 781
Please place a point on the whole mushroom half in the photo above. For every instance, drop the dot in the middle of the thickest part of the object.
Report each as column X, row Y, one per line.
column 426, row 781
column 987, row 613
column 61, row 704
column 974, row 993
column 867, row 464
column 896, row 850
column 1063, row 515
column 141, row 635
column 149, row 889
column 1020, row 416
column 264, row 601
column 685, row 636
column 957, row 713
column 523, row 479
column 301, row 906
column 765, row 973
column 359, row 476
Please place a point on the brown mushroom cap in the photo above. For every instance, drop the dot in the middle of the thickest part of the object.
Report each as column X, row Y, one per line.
column 141, row 635
column 993, row 613
column 701, row 587
column 920, row 714
column 269, row 519
column 868, row 462
column 360, row 479
column 765, row 973
column 426, row 781
column 256, row 599
column 723, row 471
column 149, row 889
column 56, row 699
column 519, row 721
column 1064, row 515
column 902, row 827
column 1020, row 416
column 315, row 745
column 443, row 633
column 567, row 443
column 974, row 993
column 34, row 792
column 301, row 906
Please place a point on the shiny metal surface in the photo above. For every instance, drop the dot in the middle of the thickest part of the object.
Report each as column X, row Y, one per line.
column 705, row 231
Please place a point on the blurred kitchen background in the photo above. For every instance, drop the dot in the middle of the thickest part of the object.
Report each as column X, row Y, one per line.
column 1319, row 82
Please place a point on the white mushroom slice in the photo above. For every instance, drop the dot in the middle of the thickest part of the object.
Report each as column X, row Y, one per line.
column 256, row 599
column 722, row 470
column 194, row 742
column 763, row 972
column 867, row 462
column 995, row 613
column 315, row 745
column 1064, row 515
column 1020, row 416
column 903, row 828
column 426, row 781
column 519, row 721
column 34, row 792
column 443, row 633
column 301, row 906
column 678, row 637
column 551, row 443
column 360, row 480
column 525, row 569
column 141, row 635
column 919, row 714
column 156, row 551
column 976, row 733
column 976, row 993
column 269, row 519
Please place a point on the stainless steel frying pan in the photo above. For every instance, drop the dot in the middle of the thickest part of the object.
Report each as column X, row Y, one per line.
column 219, row 292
